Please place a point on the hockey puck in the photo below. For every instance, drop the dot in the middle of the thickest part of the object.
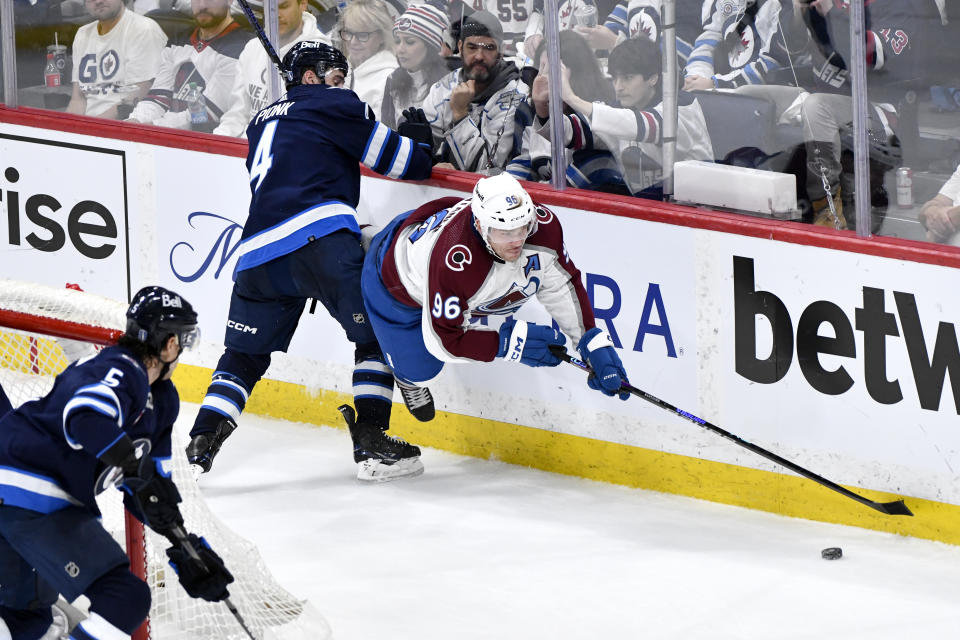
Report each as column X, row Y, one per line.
column 832, row 553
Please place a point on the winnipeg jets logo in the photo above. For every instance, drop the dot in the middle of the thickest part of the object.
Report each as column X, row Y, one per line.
column 458, row 257
column 644, row 23
column 728, row 7
column 510, row 301
column 109, row 64
column 742, row 54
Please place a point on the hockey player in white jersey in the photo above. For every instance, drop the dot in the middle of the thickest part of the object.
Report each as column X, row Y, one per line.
column 433, row 270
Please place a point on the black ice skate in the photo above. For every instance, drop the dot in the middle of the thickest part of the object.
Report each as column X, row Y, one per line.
column 419, row 401
column 203, row 447
column 380, row 457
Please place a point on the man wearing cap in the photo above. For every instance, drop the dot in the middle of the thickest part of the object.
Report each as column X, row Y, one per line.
column 250, row 93
column 471, row 110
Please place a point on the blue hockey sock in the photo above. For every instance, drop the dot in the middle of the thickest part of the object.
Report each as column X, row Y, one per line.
column 372, row 388
column 119, row 603
column 227, row 395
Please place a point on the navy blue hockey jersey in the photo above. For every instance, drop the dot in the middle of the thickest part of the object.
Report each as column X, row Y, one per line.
column 48, row 464
column 304, row 172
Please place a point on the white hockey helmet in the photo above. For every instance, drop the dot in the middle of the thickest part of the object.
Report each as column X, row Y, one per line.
column 499, row 202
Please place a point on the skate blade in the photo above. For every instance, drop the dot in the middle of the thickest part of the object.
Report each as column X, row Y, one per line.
column 376, row 471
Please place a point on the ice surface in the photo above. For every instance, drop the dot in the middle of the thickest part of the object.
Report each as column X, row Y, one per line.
column 481, row 549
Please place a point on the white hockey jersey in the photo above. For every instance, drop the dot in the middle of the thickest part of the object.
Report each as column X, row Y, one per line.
column 437, row 261
column 108, row 67
column 484, row 138
column 211, row 64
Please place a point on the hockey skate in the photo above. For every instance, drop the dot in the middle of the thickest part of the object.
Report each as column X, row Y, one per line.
column 203, row 447
column 380, row 457
column 419, row 401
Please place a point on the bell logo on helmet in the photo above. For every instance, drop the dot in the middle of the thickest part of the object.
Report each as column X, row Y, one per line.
column 171, row 301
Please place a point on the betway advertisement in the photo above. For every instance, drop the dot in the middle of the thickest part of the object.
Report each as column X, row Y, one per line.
column 66, row 211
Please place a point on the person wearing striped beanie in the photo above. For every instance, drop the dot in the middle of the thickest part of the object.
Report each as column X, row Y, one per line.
column 418, row 38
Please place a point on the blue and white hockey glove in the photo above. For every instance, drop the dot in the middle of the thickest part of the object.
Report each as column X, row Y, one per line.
column 529, row 343
column 608, row 374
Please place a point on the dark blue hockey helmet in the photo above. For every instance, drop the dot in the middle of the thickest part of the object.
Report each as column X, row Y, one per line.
column 311, row 55
column 156, row 313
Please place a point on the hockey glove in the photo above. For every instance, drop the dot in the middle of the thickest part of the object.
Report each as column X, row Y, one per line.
column 608, row 374
column 207, row 578
column 416, row 127
column 156, row 495
column 529, row 343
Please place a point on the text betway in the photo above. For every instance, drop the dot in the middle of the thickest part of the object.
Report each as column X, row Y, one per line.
column 871, row 318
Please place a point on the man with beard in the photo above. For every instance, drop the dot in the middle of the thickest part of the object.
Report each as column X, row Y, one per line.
column 250, row 93
column 115, row 59
column 471, row 110
column 201, row 66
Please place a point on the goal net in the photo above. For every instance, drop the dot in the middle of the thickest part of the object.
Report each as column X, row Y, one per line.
column 42, row 330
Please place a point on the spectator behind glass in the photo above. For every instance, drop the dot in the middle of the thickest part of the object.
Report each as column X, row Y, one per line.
column 115, row 59
column 417, row 39
column 206, row 60
column 471, row 110
column 636, row 129
column 250, row 93
column 895, row 66
column 941, row 215
column 590, row 164
column 742, row 43
column 366, row 33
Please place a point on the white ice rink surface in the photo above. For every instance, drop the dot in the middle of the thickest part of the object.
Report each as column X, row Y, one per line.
column 480, row 549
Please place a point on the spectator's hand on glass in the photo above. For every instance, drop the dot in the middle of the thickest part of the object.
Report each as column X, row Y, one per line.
column 599, row 37
column 530, row 45
column 697, row 83
column 540, row 93
column 940, row 218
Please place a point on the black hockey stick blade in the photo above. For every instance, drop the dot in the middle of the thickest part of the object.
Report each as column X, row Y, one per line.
column 895, row 508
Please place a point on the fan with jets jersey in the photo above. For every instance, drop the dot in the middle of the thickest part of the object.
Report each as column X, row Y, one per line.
column 433, row 274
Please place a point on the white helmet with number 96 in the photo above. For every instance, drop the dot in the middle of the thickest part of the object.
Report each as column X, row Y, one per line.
column 500, row 202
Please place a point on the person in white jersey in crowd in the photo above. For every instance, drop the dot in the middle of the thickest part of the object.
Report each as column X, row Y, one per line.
column 115, row 59
column 250, row 88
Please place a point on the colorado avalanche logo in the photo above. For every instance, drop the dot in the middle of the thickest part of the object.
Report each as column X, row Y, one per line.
column 646, row 24
column 458, row 257
column 510, row 301
column 743, row 53
column 544, row 216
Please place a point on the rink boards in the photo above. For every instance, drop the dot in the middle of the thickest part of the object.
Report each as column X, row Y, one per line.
column 837, row 353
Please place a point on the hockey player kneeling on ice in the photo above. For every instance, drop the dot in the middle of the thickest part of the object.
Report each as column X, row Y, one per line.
column 302, row 241
column 433, row 270
column 106, row 422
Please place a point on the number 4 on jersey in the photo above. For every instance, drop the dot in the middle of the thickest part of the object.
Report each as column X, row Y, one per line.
column 262, row 158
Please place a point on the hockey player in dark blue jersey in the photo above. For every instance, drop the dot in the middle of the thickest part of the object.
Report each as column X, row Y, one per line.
column 301, row 241
column 107, row 421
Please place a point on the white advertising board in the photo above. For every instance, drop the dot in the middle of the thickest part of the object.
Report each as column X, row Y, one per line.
column 863, row 388
column 66, row 210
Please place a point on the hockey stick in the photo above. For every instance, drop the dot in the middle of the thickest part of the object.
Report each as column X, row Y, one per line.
column 895, row 508
column 181, row 539
column 264, row 40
